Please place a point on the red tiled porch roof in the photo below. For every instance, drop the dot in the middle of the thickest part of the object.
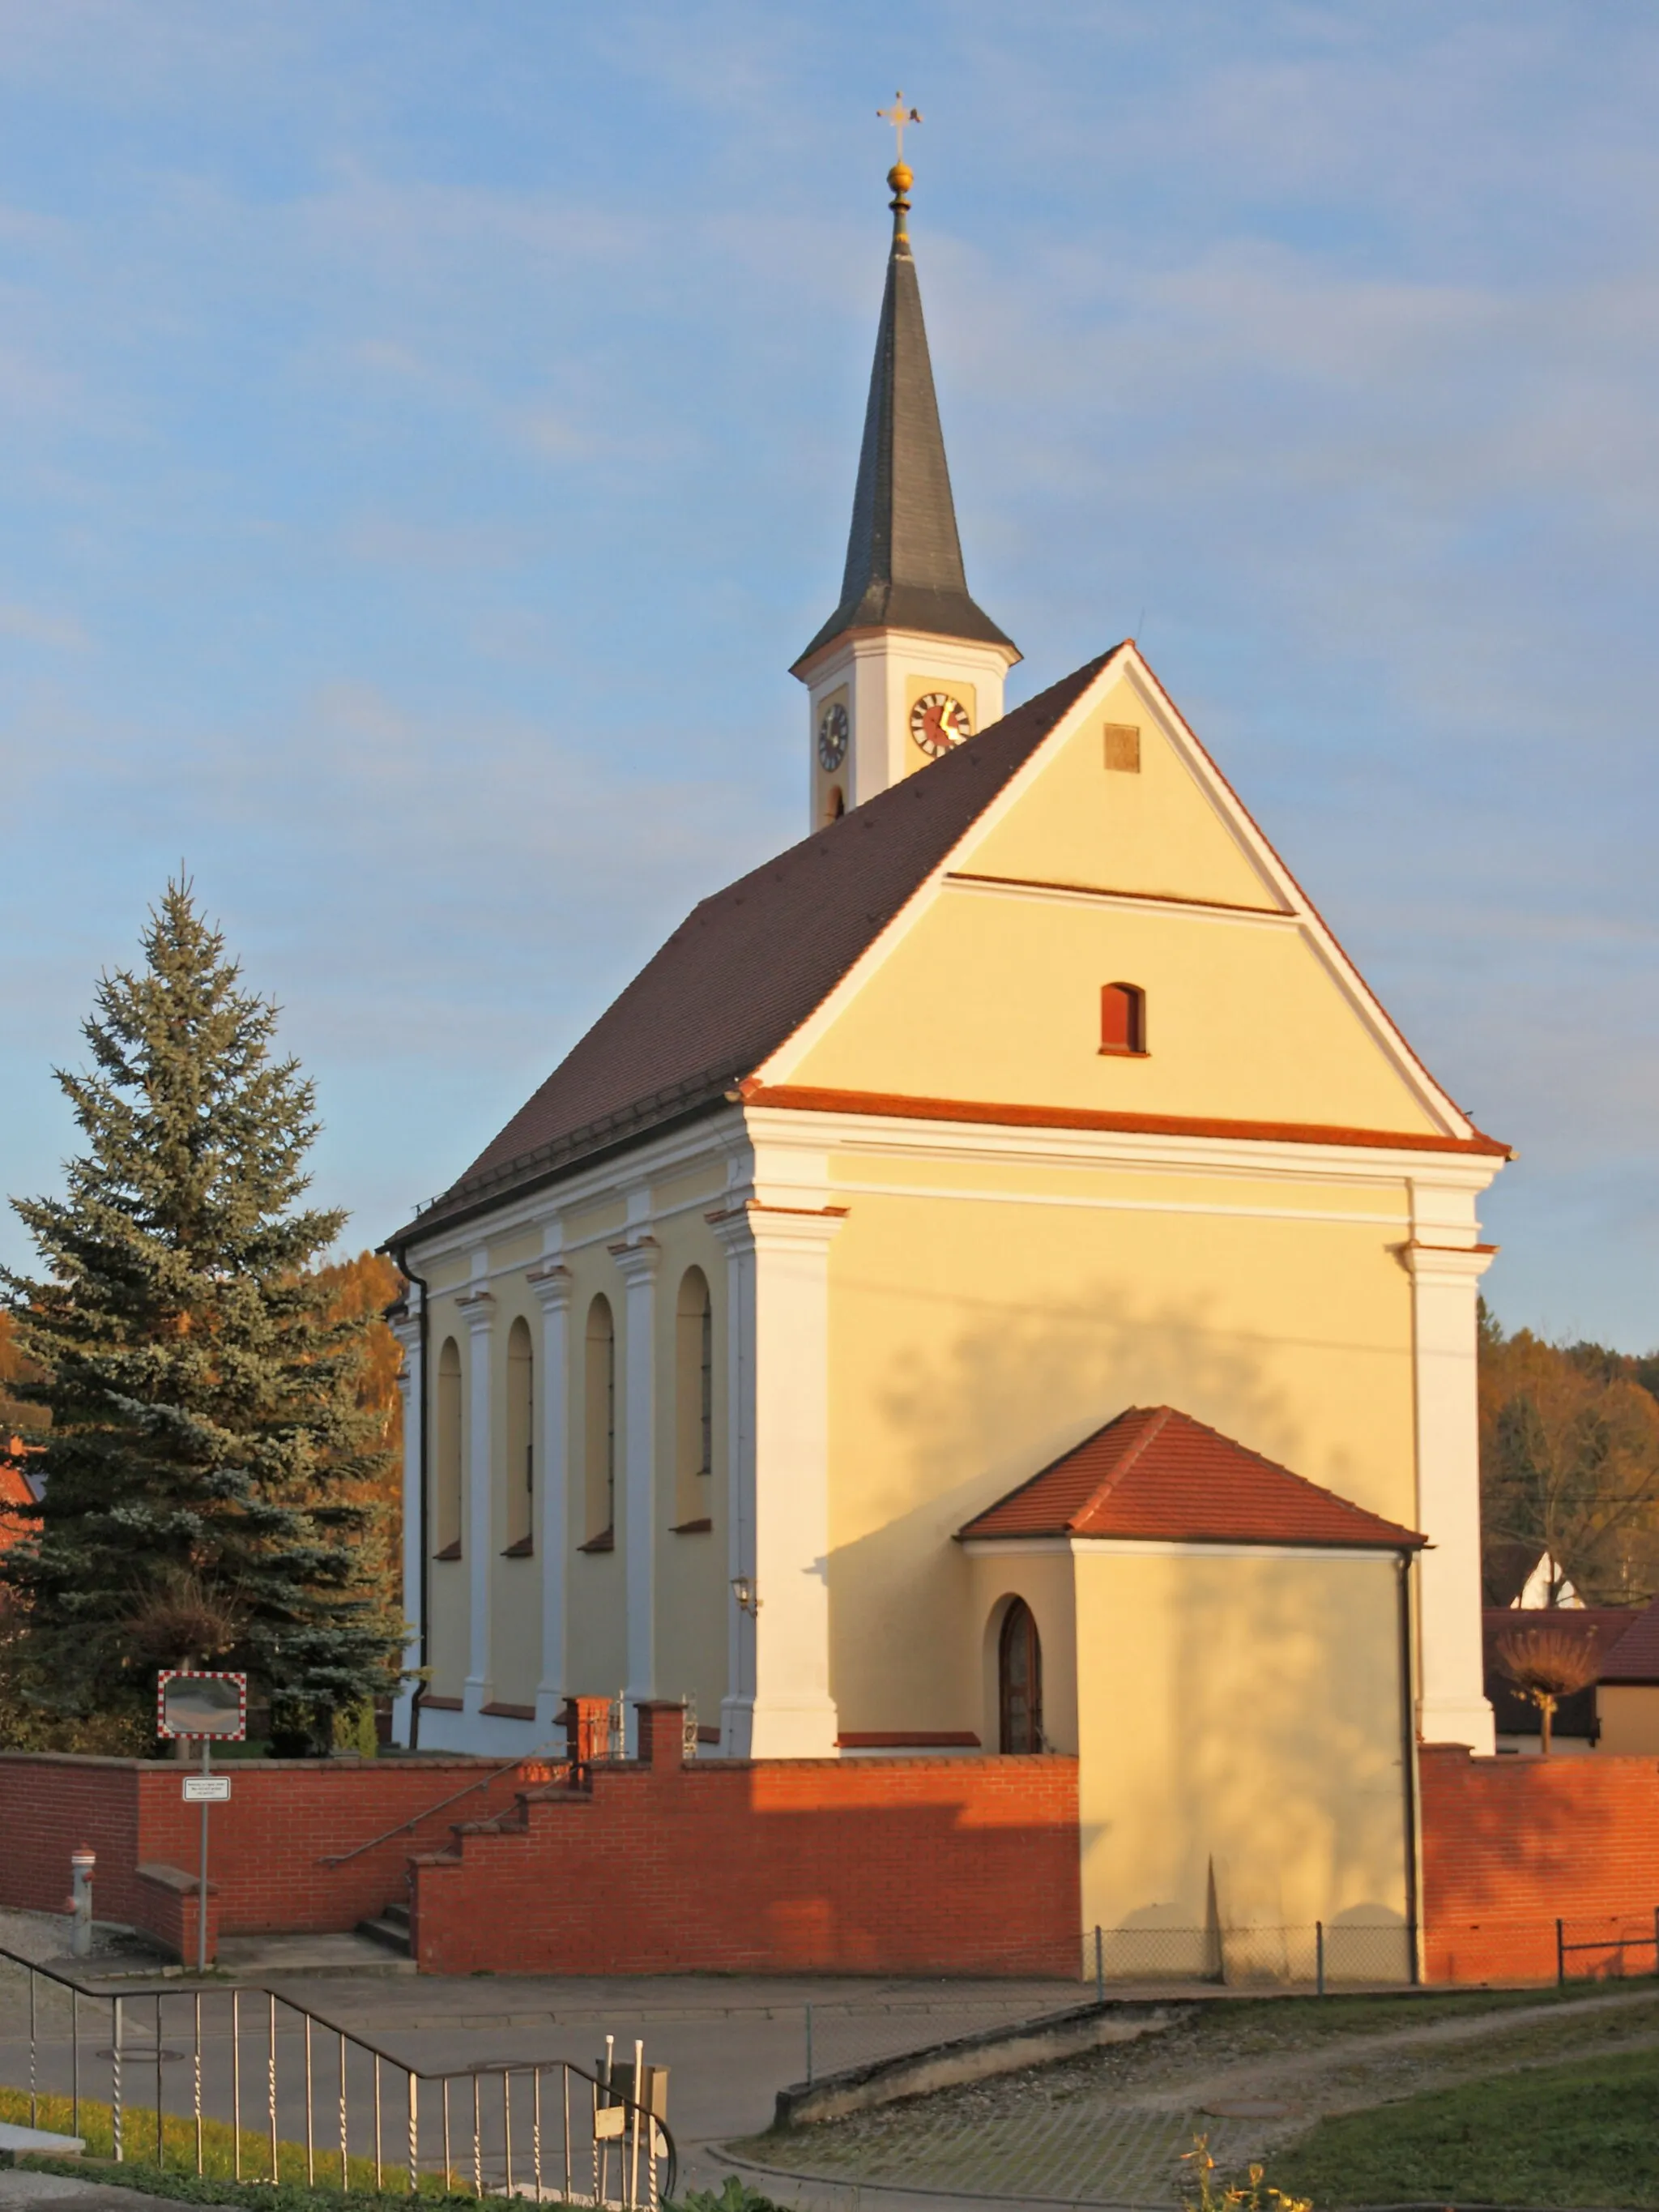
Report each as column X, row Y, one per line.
column 1157, row 1475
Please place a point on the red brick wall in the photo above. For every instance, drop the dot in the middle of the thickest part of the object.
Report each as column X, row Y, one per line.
column 961, row 1866
column 1509, row 1845
column 285, row 1818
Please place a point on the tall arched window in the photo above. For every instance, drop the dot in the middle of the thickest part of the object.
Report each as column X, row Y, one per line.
column 1123, row 1018
column 694, row 1405
column 1020, row 1681
column 446, row 1454
column 600, row 1426
column 521, row 1441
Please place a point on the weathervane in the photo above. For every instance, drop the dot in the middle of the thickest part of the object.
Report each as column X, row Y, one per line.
column 899, row 176
column 898, row 115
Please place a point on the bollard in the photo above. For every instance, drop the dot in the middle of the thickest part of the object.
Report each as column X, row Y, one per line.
column 82, row 1863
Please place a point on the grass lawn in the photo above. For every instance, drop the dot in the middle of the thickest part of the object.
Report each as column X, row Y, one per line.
column 1586, row 2133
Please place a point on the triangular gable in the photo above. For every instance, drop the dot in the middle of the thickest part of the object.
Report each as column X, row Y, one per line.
column 749, row 964
column 1155, row 1475
column 1222, row 851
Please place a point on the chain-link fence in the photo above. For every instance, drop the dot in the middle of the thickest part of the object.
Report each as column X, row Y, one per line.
column 1314, row 1955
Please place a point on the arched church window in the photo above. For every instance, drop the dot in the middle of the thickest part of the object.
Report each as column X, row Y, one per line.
column 1122, row 1018
column 1020, row 1681
column 694, row 1405
column 521, row 1441
column 834, row 804
column 446, row 1454
column 601, row 1425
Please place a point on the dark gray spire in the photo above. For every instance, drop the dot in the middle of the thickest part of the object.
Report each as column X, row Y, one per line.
column 903, row 558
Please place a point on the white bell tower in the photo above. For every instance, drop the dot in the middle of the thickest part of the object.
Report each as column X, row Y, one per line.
column 908, row 665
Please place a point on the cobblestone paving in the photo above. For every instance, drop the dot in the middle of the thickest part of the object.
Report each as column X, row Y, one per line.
column 1111, row 2128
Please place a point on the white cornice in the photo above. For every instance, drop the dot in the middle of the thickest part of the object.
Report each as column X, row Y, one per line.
column 1154, row 1547
column 900, row 1137
column 1458, row 1263
column 714, row 1137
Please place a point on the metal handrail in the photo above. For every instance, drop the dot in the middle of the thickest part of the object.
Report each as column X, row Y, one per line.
column 620, row 2122
column 340, row 1858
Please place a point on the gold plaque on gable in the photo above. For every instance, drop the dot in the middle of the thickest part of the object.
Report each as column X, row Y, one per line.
column 1123, row 747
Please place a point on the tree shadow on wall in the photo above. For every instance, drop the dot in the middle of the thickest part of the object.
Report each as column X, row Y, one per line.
column 1002, row 1391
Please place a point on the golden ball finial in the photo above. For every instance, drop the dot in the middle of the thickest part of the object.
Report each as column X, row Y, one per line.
column 900, row 178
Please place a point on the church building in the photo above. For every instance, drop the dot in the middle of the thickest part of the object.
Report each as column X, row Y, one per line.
column 996, row 1283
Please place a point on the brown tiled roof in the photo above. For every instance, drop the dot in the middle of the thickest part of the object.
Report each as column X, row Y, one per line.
column 1159, row 1475
column 749, row 965
column 1635, row 1657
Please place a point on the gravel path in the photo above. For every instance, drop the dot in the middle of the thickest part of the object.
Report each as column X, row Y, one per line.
column 1111, row 2128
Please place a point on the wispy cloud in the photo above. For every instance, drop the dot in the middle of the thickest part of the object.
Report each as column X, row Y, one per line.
column 36, row 626
column 430, row 436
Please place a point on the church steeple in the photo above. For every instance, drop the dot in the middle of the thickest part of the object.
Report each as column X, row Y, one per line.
column 907, row 665
column 903, row 555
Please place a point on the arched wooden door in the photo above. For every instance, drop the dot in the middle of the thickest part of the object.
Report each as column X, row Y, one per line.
column 1020, row 1681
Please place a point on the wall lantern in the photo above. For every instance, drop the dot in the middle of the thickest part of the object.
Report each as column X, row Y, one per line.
column 743, row 1589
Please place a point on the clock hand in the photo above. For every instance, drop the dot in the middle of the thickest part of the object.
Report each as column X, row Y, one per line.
column 933, row 722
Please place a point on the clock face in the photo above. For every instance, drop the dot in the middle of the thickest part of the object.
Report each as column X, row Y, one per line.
column 832, row 737
column 937, row 721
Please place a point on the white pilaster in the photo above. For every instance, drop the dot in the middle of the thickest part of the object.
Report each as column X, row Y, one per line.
column 637, row 1261
column 478, row 1305
column 1452, row 1706
column 778, row 1704
column 552, row 1283
column 412, row 1385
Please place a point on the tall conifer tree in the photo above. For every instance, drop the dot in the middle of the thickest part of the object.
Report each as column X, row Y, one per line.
column 209, row 1470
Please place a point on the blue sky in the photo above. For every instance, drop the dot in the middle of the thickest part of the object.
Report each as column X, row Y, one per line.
column 427, row 436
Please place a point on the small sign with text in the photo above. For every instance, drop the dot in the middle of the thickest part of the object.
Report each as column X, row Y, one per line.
column 207, row 1789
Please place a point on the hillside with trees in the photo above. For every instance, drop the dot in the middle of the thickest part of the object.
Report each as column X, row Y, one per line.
column 1569, row 1460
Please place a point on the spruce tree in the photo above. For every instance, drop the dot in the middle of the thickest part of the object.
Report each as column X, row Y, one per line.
column 208, row 1469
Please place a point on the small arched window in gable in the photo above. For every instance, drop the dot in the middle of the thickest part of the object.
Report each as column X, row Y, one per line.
column 1123, row 1020
column 521, row 1441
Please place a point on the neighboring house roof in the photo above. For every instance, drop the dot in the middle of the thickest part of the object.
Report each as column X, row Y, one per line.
column 1635, row 1657
column 748, row 965
column 1155, row 1474
column 1514, row 1574
column 904, row 555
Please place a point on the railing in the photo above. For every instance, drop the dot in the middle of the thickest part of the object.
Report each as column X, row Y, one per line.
column 1611, row 1946
column 1314, row 1955
column 334, row 2106
column 482, row 1782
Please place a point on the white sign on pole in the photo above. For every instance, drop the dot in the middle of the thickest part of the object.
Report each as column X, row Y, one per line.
column 207, row 1789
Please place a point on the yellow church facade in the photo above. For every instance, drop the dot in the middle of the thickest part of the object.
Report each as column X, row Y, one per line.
column 997, row 1282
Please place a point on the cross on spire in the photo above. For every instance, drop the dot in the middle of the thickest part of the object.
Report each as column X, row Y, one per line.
column 898, row 115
